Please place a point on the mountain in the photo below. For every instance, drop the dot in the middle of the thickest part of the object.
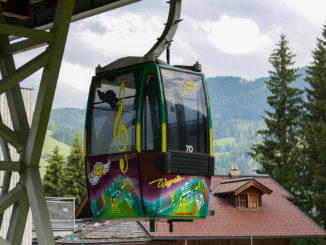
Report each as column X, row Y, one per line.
column 71, row 117
column 237, row 108
column 237, row 98
column 65, row 123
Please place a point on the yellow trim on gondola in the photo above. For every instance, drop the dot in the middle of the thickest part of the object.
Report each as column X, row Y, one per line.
column 138, row 135
column 163, row 137
column 210, row 142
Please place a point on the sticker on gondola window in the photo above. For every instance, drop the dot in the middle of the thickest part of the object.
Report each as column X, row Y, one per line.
column 120, row 132
column 99, row 170
column 186, row 87
column 189, row 148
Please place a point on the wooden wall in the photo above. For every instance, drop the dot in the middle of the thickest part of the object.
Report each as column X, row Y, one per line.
column 28, row 100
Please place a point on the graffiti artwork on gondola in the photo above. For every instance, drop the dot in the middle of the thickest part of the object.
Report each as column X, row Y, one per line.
column 117, row 195
column 186, row 196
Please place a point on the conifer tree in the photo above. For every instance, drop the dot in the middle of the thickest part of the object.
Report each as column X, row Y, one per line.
column 74, row 183
column 278, row 153
column 314, row 129
column 52, row 178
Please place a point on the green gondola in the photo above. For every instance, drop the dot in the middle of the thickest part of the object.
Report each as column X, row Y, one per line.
column 148, row 141
column 149, row 137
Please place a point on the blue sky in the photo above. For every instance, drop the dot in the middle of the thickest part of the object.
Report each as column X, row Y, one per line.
column 228, row 37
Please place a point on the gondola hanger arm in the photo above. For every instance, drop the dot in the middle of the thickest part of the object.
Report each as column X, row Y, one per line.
column 169, row 31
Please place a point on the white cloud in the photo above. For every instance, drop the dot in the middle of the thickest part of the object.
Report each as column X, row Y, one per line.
column 312, row 10
column 76, row 76
column 229, row 37
column 236, row 35
column 125, row 35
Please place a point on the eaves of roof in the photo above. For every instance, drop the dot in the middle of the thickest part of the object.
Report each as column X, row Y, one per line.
column 229, row 237
column 239, row 185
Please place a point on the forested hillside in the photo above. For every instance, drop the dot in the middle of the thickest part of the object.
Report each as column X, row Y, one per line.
column 237, row 107
column 49, row 145
column 65, row 123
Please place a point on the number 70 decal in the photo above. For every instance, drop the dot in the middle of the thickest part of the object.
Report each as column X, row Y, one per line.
column 189, row 148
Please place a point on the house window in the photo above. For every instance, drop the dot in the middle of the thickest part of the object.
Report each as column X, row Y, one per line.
column 250, row 200
column 243, row 201
column 253, row 200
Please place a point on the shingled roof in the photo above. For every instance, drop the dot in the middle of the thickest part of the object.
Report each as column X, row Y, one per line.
column 278, row 217
column 236, row 186
column 105, row 232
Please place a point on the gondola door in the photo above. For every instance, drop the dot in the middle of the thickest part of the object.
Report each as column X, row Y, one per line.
column 170, row 191
column 112, row 168
column 151, row 140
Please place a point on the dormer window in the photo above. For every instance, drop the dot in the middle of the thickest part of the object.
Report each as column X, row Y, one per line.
column 244, row 194
column 253, row 200
column 250, row 200
column 243, row 201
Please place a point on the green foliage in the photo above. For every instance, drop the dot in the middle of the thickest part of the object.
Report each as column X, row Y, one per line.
column 43, row 164
column 65, row 123
column 237, row 106
column 74, row 184
column 72, row 117
column 278, row 153
column 314, row 129
column 64, row 133
column 224, row 144
column 309, row 241
column 48, row 147
column 236, row 119
column 53, row 176
column 230, row 151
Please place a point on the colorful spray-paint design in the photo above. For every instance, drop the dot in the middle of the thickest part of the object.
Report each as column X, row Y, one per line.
column 173, row 196
column 118, row 200
column 179, row 196
column 115, row 195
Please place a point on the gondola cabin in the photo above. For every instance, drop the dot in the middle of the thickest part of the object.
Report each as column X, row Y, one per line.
column 148, row 141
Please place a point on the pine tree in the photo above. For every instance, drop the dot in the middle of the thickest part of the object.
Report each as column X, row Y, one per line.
column 74, row 183
column 314, row 129
column 278, row 153
column 52, row 177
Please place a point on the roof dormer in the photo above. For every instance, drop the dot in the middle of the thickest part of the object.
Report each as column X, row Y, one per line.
column 244, row 194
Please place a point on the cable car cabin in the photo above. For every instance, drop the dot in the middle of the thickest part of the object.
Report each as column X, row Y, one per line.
column 148, row 141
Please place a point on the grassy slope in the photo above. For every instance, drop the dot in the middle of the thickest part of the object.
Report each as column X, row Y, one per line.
column 224, row 141
column 220, row 146
column 48, row 147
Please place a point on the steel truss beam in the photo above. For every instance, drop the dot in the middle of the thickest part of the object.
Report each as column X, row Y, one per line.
column 28, row 141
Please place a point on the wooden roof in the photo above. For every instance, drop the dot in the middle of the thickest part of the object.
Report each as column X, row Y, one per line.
column 236, row 186
column 105, row 232
column 278, row 217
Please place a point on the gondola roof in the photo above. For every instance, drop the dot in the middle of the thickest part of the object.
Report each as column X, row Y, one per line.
column 127, row 62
